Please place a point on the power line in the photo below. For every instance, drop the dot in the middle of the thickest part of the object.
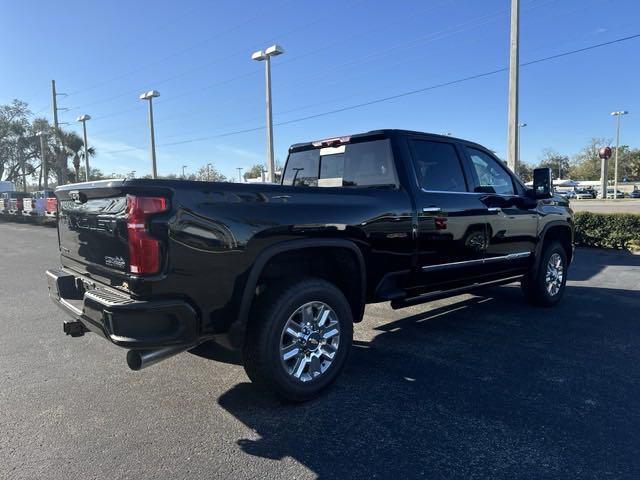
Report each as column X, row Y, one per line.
column 399, row 95
column 239, row 52
column 438, row 35
column 207, row 39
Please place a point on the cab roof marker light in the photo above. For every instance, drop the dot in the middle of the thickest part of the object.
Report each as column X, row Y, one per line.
column 332, row 142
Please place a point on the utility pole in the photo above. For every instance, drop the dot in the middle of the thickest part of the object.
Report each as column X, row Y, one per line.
column 56, row 126
column 239, row 174
column 183, row 167
column 43, row 159
column 83, row 119
column 615, row 171
column 520, row 126
column 514, row 66
column 22, row 165
column 208, row 172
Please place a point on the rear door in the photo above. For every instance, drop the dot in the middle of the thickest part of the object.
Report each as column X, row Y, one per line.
column 451, row 236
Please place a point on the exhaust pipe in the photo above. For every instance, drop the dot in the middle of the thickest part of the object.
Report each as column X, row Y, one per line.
column 139, row 359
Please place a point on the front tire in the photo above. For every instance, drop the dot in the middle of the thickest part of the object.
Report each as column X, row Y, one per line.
column 298, row 339
column 547, row 286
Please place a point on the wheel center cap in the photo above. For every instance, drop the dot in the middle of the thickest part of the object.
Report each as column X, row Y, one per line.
column 312, row 342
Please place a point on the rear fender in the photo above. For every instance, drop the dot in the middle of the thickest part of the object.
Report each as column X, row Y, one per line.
column 239, row 326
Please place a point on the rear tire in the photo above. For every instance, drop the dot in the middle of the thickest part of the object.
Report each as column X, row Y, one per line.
column 298, row 339
column 546, row 287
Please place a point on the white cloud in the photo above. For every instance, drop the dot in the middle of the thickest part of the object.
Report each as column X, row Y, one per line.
column 240, row 152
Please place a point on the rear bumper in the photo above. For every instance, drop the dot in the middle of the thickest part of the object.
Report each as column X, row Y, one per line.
column 115, row 316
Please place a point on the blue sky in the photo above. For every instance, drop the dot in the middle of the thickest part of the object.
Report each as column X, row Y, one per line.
column 338, row 53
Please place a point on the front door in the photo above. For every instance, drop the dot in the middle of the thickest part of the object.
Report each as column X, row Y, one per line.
column 511, row 221
column 452, row 235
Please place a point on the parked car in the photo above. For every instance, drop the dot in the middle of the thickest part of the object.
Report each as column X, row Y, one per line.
column 635, row 194
column 584, row 194
column 282, row 272
column 570, row 194
column 35, row 206
column 610, row 193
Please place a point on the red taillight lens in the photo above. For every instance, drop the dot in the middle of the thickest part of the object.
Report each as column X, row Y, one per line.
column 144, row 250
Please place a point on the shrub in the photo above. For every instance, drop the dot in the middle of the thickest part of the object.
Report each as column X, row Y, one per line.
column 610, row 230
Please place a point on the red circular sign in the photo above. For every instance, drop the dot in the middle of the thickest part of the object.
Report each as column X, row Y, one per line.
column 605, row 152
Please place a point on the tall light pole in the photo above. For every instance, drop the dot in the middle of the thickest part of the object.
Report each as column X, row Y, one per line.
column 514, row 66
column 43, row 159
column 83, row 119
column 259, row 56
column 183, row 167
column 615, row 170
column 520, row 126
column 150, row 95
column 208, row 172
column 239, row 174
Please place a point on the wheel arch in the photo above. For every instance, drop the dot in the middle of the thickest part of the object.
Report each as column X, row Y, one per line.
column 558, row 230
column 356, row 298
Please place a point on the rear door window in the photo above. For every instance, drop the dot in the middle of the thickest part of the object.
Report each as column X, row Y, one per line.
column 438, row 166
column 364, row 164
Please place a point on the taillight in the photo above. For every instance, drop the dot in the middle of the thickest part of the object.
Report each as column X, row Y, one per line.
column 144, row 250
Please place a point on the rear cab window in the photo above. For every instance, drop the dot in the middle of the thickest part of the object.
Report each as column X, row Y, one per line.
column 362, row 164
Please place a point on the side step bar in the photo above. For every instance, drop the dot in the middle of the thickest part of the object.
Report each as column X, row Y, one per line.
column 428, row 297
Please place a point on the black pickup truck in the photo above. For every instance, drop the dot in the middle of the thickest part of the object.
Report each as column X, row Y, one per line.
column 282, row 272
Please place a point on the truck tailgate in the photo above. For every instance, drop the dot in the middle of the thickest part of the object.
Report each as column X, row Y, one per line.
column 92, row 228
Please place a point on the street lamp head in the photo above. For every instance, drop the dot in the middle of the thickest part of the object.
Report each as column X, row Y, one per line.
column 84, row 118
column 274, row 50
column 621, row 112
column 522, row 124
column 149, row 95
column 258, row 56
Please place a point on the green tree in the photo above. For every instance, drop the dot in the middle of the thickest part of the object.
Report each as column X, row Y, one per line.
column 558, row 163
column 73, row 147
column 586, row 163
column 94, row 173
column 208, row 174
column 525, row 172
column 255, row 171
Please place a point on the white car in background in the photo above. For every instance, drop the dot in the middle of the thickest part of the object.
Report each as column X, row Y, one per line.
column 567, row 193
column 585, row 195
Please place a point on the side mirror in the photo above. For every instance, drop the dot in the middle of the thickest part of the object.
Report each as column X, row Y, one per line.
column 542, row 183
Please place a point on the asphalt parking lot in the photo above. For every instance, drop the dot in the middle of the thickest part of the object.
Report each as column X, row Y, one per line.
column 471, row 387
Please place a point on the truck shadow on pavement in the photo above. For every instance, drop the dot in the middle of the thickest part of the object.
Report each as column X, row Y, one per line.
column 486, row 386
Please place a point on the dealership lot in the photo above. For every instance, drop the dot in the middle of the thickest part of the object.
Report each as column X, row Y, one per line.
column 470, row 387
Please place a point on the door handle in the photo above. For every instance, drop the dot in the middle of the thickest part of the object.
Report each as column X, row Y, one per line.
column 432, row 210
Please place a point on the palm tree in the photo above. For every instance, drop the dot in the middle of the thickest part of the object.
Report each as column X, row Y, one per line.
column 74, row 147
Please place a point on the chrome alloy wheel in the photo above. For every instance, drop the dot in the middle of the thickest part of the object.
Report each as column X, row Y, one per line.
column 555, row 274
column 309, row 341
